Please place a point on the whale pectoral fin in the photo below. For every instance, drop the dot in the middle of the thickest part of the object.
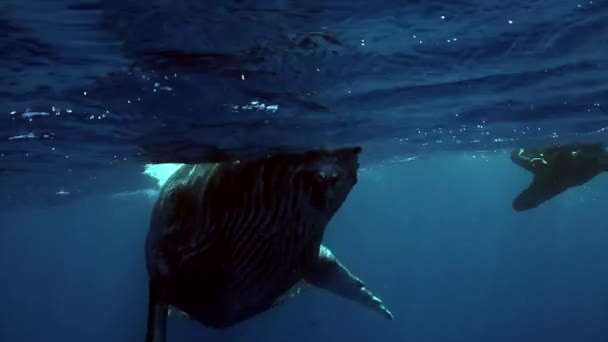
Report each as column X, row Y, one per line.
column 547, row 185
column 157, row 312
column 540, row 190
column 329, row 274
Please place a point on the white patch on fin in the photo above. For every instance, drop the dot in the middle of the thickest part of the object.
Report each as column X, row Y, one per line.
column 161, row 172
column 175, row 312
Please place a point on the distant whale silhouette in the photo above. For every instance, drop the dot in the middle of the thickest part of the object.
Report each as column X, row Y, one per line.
column 557, row 169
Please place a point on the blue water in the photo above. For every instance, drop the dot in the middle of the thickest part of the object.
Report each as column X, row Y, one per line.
column 125, row 82
column 444, row 250
column 434, row 91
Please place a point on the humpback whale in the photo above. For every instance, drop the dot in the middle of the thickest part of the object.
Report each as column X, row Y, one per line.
column 556, row 169
column 228, row 241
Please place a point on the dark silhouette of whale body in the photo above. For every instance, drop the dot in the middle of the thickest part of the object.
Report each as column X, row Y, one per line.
column 228, row 241
column 556, row 169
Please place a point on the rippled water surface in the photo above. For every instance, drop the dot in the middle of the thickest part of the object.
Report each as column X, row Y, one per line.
column 92, row 90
